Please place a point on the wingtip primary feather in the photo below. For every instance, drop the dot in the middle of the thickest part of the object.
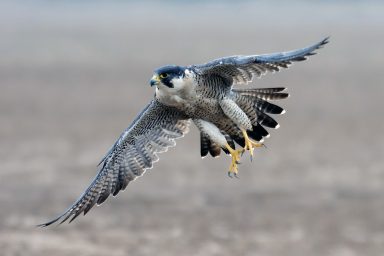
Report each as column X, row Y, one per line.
column 46, row 224
column 326, row 40
column 321, row 44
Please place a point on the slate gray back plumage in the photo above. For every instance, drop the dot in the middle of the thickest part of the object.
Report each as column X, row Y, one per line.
column 241, row 69
column 157, row 126
column 219, row 76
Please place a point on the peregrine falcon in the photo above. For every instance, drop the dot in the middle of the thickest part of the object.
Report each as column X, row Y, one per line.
column 229, row 119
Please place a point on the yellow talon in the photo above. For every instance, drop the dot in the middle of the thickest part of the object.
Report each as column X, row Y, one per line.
column 235, row 154
column 250, row 144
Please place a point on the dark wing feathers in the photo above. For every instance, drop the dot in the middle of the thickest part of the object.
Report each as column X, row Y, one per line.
column 156, row 127
column 264, row 93
column 266, row 120
column 241, row 69
column 205, row 143
column 152, row 132
column 255, row 103
column 214, row 149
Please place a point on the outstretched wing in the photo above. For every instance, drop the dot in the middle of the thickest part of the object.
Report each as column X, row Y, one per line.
column 241, row 69
column 152, row 132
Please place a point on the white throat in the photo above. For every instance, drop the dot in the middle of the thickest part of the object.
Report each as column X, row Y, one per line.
column 182, row 92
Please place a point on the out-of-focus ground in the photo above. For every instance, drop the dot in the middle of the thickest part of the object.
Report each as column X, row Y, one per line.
column 73, row 75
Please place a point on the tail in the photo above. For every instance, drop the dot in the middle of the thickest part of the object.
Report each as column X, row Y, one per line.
column 264, row 93
column 206, row 145
column 256, row 104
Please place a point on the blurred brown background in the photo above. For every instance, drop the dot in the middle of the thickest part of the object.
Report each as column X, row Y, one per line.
column 73, row 74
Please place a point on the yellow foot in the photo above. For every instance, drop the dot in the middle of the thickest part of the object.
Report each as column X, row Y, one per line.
column 236, row 154
column 250, row 144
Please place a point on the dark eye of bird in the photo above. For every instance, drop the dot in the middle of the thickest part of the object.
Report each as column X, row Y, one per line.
column 163, row 75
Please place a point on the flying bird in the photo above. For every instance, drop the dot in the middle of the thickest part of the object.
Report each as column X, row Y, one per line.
column 232, row 120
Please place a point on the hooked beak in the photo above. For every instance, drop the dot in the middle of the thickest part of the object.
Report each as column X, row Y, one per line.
column 155, row 80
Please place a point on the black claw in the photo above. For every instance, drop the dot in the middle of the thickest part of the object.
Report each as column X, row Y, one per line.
column 237, row 162
column 229, row 175
column 236, row 176
column 265, row 146
column 251, row 157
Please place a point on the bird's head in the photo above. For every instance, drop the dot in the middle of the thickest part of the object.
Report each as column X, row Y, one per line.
column 169, row 76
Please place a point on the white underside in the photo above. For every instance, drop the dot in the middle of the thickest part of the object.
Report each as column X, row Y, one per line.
column 211, row 131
